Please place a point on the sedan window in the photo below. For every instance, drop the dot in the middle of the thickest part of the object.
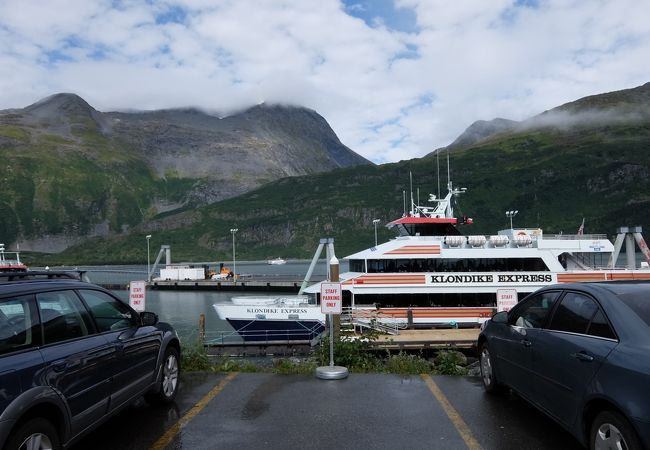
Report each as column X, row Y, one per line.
column 578, row 313
column 533, row 311
column 574, row 313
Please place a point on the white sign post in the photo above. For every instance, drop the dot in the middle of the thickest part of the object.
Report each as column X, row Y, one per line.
column 330, row 298
column 506, row 299
column 137, row 295
column 331, row 302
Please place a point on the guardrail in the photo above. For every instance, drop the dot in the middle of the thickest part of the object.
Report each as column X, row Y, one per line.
column 260, row 337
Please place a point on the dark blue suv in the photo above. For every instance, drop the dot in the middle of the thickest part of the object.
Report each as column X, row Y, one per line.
column 71, row 355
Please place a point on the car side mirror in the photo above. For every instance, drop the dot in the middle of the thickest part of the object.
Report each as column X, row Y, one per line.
column 148, row 319
column 500, row 317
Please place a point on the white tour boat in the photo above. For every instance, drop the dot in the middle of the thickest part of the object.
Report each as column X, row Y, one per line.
column 431, row 274
column 273, row 318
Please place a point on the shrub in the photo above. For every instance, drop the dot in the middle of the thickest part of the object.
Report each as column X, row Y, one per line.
column 450, row 362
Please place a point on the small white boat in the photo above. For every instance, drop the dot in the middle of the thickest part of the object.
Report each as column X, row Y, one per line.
column 273, row 318
column 276, row 261
column 10, row 261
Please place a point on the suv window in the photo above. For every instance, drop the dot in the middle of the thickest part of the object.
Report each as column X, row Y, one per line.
column 19, row 327
column 109, row 313
column 532, row 312
column 63, row 316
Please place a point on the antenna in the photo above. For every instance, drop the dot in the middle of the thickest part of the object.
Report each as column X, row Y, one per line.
column 448, row 173
column 438, row 165
column 411, row 181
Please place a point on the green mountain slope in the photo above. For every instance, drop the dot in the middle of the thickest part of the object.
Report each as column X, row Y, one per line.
column 72, row 172
column 555, row 172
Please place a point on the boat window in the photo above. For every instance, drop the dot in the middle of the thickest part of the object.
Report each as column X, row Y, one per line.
column 451, row 265
column 427, row 229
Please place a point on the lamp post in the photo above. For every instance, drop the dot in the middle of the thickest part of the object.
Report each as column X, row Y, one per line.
column 375, row 222
column 234, row 261
column 148, row 258
column 511, row 214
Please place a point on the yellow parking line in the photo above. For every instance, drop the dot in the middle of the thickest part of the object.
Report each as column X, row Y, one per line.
column 169, row 435
column 453, row 415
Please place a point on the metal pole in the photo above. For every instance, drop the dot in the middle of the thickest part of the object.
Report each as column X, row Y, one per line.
column 375, row 222
column 148, row 259
column 234, row 259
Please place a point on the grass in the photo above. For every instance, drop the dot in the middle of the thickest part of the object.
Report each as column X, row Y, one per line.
column 355, row 355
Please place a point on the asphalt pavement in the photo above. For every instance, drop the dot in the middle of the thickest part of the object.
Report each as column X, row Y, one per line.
column 365, row 411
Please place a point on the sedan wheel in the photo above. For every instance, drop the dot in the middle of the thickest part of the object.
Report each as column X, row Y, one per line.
column 611, row 431
column 488, row 376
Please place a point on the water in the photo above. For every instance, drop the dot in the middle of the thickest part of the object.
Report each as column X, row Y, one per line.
column 182, row 309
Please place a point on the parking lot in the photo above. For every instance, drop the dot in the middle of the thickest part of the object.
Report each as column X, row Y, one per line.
column 364, row 411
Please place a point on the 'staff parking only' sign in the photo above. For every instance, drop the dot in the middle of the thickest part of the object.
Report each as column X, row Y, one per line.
column 330, row 298
column 137, row 293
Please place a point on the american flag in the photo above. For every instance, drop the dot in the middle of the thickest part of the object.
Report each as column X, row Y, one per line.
column 581, row 230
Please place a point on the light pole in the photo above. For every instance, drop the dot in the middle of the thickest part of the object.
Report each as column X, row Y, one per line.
column 511, row 214
column 375, row 222
column 148, row 259
column 234, row 261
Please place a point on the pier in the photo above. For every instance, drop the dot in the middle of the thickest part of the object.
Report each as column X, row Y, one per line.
column 253, row 283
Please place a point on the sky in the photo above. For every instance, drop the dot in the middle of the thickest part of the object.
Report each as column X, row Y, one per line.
column 395, row 79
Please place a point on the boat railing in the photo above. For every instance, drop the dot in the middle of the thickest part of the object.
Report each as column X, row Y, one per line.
column 580, row 237
column 260, row 337
column 372, row 319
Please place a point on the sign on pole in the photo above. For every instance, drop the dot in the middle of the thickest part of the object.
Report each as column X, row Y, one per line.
column 330, row 298
column 506, row 299
column 137, row 295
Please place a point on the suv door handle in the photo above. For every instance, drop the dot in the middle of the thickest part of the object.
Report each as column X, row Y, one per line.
column 526, row 343
column 582, row 356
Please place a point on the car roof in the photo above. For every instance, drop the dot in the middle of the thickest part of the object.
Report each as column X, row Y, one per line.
column 609, row 293
column 16, row 283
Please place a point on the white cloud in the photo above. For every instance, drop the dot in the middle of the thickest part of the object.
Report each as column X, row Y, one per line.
column 389, row 95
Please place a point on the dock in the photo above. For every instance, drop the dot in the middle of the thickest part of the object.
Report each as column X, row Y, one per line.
column 254, row 284
column 419, row 339
column 428, row 339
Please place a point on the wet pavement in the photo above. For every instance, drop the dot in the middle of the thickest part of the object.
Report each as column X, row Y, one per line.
column 364, row 411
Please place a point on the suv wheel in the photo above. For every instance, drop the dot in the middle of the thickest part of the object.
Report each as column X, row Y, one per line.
column 35, row 434
column 611, row 430
column 168, row 387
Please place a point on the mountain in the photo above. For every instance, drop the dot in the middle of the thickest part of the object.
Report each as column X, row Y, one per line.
column 74, row 172
column 482, row 129
column 556, row 168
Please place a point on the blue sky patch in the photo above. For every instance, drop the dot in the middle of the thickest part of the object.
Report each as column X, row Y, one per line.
column 376, row 12
column 174, row 14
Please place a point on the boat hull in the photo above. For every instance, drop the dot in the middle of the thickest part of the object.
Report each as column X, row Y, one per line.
column 276, row 330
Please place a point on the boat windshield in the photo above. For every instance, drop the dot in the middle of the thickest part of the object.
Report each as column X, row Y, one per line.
column 427, row 229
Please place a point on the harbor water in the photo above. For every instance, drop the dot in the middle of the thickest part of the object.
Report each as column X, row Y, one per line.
column 183, row 309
